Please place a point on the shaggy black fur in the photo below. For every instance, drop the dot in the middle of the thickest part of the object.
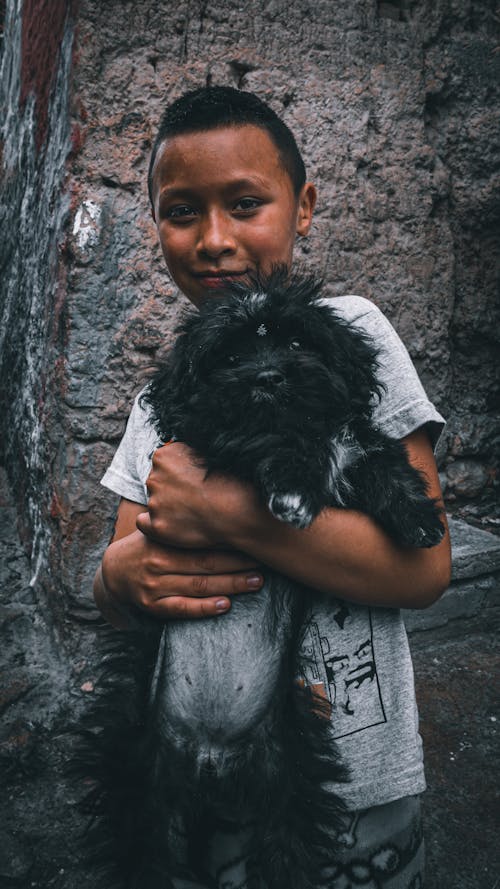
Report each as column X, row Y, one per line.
column 161, row 775
column 269, row 384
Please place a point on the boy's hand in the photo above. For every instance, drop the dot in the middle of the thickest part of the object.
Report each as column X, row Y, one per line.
column 170, row 583
column 187, row 509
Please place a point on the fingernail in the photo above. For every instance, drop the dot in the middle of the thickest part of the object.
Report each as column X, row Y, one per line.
column 254, row 581
column 222, row 605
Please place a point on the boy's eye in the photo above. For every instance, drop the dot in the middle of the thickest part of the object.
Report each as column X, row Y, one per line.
column 180, row 211
column 247, row 204
column 294, row 344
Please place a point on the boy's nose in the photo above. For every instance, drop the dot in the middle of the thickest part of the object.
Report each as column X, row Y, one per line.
column 216, row 236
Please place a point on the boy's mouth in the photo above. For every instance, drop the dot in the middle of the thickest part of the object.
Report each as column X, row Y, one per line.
column 217, row 278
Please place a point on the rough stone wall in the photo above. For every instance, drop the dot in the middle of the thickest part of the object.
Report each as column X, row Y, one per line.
column 395, row 107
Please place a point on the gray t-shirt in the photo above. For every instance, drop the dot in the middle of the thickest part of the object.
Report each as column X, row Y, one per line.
column 359, row 656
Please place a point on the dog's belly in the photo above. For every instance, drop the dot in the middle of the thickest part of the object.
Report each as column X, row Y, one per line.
column 215, row 678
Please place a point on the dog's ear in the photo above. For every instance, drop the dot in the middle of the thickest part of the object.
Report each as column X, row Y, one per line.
column 198, row 337
column 172, row 383
column 364, row 384
column 361, row 365
column 351, row 354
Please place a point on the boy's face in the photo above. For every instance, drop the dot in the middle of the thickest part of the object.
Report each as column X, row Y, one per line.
column 224, row 205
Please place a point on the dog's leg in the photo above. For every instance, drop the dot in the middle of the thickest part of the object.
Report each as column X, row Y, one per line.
column 299, row 842
column 296, row 827
column 294, row 487
column 394, row 493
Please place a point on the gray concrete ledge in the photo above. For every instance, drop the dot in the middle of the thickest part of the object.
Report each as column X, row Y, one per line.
column 475, row 586
column 474, row 552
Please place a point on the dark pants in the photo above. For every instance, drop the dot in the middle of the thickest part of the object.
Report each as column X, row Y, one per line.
column 381, row 848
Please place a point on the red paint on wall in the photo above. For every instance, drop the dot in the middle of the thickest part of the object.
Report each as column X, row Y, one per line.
column 77, row 139
column 42, row 33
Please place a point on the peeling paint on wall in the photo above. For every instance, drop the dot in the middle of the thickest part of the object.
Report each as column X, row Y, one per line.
column 87, row 224
column 43, row 24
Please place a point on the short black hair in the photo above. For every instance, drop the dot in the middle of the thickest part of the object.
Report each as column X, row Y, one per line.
column 211, row 107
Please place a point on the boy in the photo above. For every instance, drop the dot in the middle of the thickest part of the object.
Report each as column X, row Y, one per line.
column 229, row 195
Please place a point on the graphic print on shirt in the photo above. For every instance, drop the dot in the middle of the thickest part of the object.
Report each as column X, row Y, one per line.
column 341, row 668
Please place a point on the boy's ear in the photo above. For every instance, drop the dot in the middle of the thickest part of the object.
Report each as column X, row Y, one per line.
column 306, row 205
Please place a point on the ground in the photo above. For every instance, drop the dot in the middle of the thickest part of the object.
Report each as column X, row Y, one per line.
column 457, row 691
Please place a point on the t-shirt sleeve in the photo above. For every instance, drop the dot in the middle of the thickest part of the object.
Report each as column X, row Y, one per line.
column 404, row 405
column 131, row 464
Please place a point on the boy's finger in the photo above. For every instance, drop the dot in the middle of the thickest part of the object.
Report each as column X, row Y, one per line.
column 206, row 561
column 143, row 523
column 207, row 585
column 183, row 607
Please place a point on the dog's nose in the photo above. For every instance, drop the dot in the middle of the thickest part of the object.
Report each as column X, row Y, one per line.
column 270, row 378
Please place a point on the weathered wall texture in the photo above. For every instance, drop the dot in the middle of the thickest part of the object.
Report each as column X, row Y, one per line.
column 395, row 105
column 37, row 679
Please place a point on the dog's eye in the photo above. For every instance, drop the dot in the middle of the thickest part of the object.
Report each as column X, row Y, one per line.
column 233, row 359
column 294, row 344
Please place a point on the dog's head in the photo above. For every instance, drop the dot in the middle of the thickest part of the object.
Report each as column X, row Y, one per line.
column 270, row 354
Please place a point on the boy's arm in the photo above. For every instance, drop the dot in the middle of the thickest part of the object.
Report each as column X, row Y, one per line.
column 343, row 552
column 347, row 554
column 164, row 581
column 110, row 606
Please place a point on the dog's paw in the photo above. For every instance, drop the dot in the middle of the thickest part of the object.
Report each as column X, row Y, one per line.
column 427, row 536
column 291, row 508
column 422, row 534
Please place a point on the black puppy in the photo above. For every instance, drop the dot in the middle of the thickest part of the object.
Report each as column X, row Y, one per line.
column 269, row 384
